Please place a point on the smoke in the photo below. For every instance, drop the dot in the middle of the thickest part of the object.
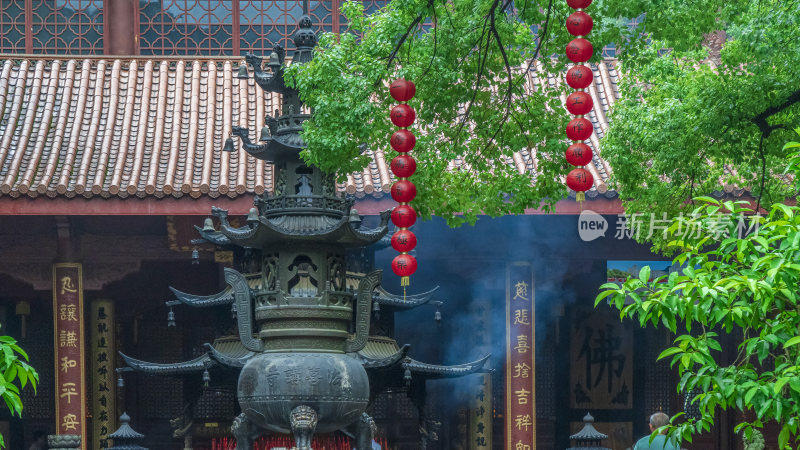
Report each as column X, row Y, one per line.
column 469, row 266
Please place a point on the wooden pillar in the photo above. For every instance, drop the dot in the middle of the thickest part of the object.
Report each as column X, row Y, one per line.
column 68, row 330
column 481, row 412
column 520, row 361
column 102, row 372
column 122, row 35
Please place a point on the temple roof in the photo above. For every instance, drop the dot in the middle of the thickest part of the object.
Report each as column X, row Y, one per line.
column 155, row 128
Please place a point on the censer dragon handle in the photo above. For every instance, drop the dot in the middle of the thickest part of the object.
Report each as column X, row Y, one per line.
column 364, row 302
column 244, row 313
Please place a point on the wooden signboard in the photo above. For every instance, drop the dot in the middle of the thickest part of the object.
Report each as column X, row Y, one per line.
column 69, row 351
column 103, row 381
column 601, row 360
column 480, row 422
column 520, row 359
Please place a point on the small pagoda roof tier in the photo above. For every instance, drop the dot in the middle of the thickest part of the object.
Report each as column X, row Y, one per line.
column 125, row 437
column 229, row 351
column 383, row 353
column 330, row 229
column 588, row 438
column 380, row 352
column 435, row 371
column 198, row 364
column 281, row 146
column 379, row 295
column 225, row 297
column 210, row 235
column 386, row 298
column 225, row 351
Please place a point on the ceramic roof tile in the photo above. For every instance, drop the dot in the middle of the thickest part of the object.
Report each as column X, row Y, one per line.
column 155, row 128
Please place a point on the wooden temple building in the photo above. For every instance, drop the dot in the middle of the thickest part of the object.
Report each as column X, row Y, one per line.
column 113, row 116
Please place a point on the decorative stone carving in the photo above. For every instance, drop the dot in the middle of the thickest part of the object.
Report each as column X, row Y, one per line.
column 64, row 442
column 304, row 420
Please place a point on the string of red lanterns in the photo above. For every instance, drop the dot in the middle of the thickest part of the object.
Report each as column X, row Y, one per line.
column 579, row 103
column 403, row 191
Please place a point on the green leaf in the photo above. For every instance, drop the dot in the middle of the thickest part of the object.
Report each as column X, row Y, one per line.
column 604, row 294
column 748, row 397
column 668, row 352
column 783, row 437
column 793, row 341
column 644, row 274
column 780, row 384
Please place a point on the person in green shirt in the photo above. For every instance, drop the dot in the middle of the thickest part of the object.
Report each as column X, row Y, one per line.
column 660, row 442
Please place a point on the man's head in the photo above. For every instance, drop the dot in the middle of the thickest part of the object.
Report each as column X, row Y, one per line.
column 658, row 420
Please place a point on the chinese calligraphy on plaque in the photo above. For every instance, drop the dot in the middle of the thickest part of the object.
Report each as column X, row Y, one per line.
column 601, row 360
column 102, row 372
column 520, row 358
column 480, row 385
column 69, row 352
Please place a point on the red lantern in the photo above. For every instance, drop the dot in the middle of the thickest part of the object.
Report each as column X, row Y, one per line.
column 579, row 23
column 579, row 129
column 404, row 241
column 579, row 103
column 578, row 4
column 402, row 90
column 403, row 141
column 580, row 180
column 579, row 77
column 578, row 50
column 403, row 216
column 403, row 116
column 579, row 154
column 404, row 265
column 404, row 191
column 403, row 166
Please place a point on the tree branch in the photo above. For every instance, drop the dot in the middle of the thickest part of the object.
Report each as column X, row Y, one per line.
column 433, row 57
column 763, row 170
column 477, row 81
column 405, row 35
column 542, row 37
column 761, row 119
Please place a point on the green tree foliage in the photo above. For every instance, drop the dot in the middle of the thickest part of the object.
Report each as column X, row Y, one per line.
column 687, row 126
column 16, row 375
column 680, row 121
column 743, row 287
